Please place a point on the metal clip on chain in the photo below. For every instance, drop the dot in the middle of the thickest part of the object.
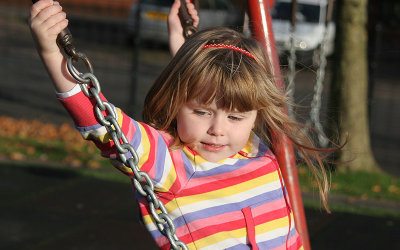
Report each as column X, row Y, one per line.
column 64, row 41
column 141, row 180
column 186, row 20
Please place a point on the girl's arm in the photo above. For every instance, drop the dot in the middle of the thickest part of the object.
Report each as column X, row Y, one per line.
column 150, row 145
column 46, row 21
column 175, row 29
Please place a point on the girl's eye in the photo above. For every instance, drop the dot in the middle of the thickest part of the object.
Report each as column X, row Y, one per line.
column 235, row 118
column 200, row 112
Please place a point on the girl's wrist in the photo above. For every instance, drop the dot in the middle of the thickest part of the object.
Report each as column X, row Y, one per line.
column 175, row 42
column 51, row 55
column 56, row 65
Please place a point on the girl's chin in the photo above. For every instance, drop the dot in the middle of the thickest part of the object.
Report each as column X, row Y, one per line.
column 213, row 156
column 211, row 153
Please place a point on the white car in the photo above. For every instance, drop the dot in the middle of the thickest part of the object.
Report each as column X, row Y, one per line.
column 148, row 18
column 309, row 29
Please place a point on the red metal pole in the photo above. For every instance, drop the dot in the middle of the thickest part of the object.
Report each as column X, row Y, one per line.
column 261, row 25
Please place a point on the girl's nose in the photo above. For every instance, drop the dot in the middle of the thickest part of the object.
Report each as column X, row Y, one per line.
column 217, row 127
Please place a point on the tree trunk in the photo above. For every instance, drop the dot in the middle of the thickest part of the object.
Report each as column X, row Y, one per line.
column 350, row 86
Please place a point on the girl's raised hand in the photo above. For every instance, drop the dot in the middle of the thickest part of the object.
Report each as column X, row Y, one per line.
column 175, row 29
column 46, row 21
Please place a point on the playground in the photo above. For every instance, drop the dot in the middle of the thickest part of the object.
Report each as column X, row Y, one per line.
column 42, row 209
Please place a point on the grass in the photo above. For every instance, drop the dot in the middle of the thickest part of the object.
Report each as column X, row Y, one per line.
column 373, row 194
column 56, row 151
column 37, row 141
column 363, row 185
column 33, row 141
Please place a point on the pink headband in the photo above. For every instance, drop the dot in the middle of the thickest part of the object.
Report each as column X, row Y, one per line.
column 220, row 45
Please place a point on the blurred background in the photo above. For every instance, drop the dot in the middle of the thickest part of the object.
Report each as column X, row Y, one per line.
column 56, row 192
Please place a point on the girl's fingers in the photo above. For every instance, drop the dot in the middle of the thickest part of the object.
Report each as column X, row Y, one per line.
column 193, row 13
column 46, row 18
column 39, row 6
column 46, row 22
column 58, row 27
column 56, row 23
column 191, row 10
column 46, row 13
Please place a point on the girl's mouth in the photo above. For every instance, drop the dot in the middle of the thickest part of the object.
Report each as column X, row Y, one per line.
column 212, row 147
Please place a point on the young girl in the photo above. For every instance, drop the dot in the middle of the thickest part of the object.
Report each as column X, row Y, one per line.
column 205, row 142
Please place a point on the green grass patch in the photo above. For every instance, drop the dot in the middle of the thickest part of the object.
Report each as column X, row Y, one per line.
column 370, row 185
column 364, row 185
column 52, row 151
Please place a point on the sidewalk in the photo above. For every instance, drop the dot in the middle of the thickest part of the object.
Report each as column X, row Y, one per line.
column 49, row 208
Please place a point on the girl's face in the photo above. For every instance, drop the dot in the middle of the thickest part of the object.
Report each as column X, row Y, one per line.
column 214, row 133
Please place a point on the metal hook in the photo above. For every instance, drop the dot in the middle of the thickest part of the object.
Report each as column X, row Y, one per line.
column 186, row 20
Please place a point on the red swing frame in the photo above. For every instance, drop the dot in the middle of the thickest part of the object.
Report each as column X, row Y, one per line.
column 260, row 18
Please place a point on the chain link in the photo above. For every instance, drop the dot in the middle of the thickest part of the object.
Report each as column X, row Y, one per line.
column 290, row 89
column 318, row 87
column 141, row 180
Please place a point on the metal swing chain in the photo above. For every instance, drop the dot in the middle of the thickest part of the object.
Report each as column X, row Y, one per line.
column 316, row 102
column 318, row 87
column 292, row 60
column 290, row 89
column 141, row 180
column 320, row 76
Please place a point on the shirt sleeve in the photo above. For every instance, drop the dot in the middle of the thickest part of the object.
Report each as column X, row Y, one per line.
column 150, row 144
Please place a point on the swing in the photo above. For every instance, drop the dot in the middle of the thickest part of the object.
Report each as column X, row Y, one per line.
column 140, row 179
column 314, row 119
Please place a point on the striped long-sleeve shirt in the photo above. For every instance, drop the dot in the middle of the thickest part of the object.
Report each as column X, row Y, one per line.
column 237, row 203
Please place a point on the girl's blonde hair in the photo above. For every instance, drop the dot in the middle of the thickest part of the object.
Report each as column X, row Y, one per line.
column 235, row 81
